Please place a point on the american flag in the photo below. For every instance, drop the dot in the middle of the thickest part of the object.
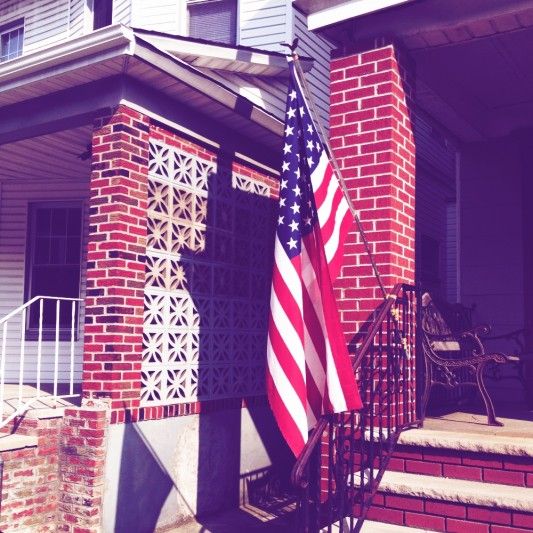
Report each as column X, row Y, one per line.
column 309, row 370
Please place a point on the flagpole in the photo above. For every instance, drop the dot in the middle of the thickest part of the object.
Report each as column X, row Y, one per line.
column 325, row 139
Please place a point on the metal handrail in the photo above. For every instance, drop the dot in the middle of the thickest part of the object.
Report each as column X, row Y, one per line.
column 297, row 474
column 22, row 311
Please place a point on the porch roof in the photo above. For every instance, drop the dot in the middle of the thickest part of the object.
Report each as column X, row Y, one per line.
column 120, row 51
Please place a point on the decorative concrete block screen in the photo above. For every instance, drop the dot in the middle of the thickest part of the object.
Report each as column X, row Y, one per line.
column 209, row 259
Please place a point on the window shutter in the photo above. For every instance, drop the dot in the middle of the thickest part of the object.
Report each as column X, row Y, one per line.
column 214, row 20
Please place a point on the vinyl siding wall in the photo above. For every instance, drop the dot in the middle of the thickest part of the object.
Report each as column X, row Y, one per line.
column 166, row 16
column 46, row 22
column 265, row 23
column 15, row 197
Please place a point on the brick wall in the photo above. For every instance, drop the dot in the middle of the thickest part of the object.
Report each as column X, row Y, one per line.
column 28, row 500
column 372, row 138
column 115, row 261
column 81, row 469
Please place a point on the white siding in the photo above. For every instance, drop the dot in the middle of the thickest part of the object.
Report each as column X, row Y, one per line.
column 122, row 12
column 45, row 22
column 265, row 23
column 314, row 46
column 77, row 18
column 159, row 15
column 14, row 200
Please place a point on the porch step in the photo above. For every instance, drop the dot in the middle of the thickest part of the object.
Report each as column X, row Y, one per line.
column 451, row 505
column 462, row 491
column 464, row 447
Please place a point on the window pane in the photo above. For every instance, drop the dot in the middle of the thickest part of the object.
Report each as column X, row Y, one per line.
column 58, row 247
column 74, row 222
column 73, row 251
column 11, row 41
column 42, row 251
column 42, row 221
column 59, row 222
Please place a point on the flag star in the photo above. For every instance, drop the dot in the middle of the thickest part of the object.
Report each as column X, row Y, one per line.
column 292, row 95
column 289, row 130
column 285, row 166
column 302, row 111
column 280, row 220
column 291, row 113
column 297, row 191
column 310, row 161
column 292, row 243
column 297, row 172
column 317, row 145
column 294, row 225
column 295, row 208
column 307, row 221
column 310, row 145
column 283, row 184
column 282, row 202
column 309, row 128
column 287, row 148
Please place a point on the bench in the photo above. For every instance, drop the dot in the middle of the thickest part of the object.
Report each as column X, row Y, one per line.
column 454, row 358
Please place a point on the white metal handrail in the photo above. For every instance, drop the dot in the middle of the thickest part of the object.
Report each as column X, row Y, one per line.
column 56, row 335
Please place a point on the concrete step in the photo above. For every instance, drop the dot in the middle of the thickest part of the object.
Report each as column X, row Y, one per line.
column 443, row 504
column 462, row 446
column 461, row 491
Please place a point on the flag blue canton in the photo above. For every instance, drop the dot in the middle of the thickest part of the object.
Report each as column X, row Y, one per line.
column 301, row 153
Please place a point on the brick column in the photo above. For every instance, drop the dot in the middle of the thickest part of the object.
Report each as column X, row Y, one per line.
column 115, row 261
column 81, row 469
column 372, row 137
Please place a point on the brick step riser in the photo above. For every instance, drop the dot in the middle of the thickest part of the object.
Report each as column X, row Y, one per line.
column 475, row 466
column 449, row 517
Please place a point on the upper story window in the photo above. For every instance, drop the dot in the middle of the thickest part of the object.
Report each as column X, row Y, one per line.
column 11, row 38
column 213, row 20
column 103, row 13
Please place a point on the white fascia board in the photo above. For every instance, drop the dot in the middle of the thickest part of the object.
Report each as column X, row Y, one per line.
column 348, row 10
column 228, row 56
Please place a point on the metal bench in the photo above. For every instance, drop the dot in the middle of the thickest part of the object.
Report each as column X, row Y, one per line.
column 454, row 359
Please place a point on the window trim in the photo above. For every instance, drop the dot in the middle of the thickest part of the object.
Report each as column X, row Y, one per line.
column 48, row 334
column 10, row 26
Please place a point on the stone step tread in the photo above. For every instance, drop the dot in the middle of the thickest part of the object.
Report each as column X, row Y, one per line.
column 461, row 441
column 371, row 526
column 458, row 490
column 16, row 442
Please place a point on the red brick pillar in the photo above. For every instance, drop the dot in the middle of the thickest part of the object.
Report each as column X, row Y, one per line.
column 115, row 261
column 372, row 137
column 81, row 469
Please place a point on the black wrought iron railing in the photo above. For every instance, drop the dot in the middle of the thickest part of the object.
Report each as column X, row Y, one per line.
column 341, row 466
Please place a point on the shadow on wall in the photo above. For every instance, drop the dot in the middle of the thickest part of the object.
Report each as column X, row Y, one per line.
column 215, row 342
column 144, row 484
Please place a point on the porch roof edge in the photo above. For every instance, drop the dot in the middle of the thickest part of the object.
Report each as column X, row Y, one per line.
column 108, row 52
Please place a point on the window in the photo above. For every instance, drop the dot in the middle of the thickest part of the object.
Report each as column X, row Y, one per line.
column 53, row 260
column 103, row 13
column 11, row 39
column 213, row 20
